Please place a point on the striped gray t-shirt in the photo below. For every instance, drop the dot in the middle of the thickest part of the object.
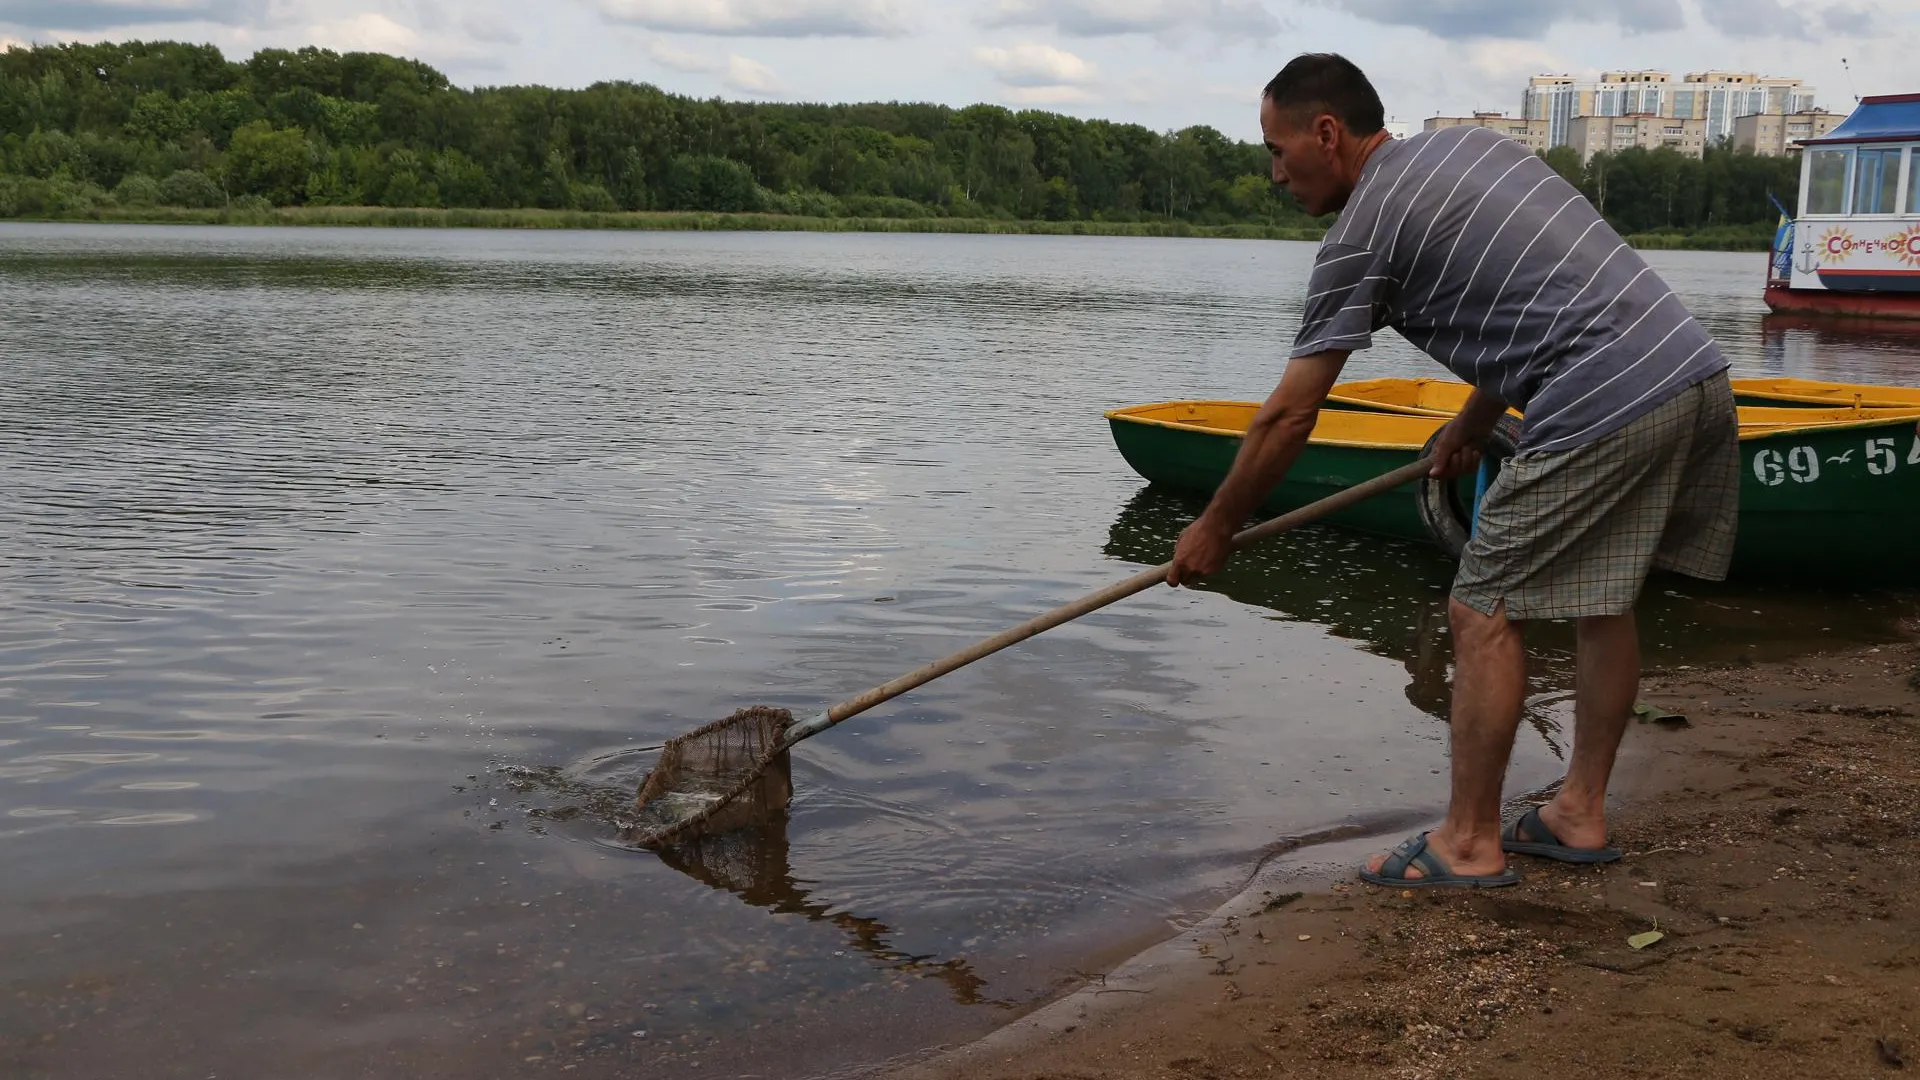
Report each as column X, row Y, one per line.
column 1486, row 259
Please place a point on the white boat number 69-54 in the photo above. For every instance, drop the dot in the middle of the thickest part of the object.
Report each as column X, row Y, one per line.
column 1802, row 463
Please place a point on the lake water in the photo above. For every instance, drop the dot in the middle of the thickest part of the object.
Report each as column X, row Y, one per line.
column 339, row 569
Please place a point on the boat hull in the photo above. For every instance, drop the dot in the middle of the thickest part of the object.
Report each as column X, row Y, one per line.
column 1903, row 304
column 1196, row 461
column 1833, row 503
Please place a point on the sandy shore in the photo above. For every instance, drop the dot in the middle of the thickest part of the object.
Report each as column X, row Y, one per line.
column 1774, row 841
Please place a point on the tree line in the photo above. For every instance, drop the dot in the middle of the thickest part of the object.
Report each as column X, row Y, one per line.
column 1650, row 191
column 135, row 124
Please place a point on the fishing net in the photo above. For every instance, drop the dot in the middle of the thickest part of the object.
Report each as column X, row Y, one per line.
column 730, row 775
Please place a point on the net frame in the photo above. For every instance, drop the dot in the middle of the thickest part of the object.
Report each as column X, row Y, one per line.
column 746, row 744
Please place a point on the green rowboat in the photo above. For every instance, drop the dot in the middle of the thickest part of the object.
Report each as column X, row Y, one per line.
column 1833, row 501
column 1190, row 445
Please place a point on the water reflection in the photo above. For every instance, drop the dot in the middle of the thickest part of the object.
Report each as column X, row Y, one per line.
column 754, row 865
column 1390, row 597
column 1841, row 350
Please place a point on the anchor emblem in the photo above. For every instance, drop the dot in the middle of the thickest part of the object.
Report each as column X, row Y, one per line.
column 1809, row 262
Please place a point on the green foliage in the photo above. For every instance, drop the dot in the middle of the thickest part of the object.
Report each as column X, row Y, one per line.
column 1565, row 160
column 315, row 128
column 1649, row 191
column 270, row 162
column 57, row 196
column 191, row 188
column 706, row 182
column 138, row 189
column 50, row 153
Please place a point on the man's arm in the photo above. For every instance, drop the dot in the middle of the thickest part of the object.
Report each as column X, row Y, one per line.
column 1274, row 439
column 1457, row 451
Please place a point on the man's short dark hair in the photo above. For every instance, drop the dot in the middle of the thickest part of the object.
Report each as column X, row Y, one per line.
column 1313, row 84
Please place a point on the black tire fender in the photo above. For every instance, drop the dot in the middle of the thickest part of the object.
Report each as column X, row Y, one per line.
column 1447, row 516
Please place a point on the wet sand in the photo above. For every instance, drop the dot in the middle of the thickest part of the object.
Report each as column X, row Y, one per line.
column 1774, row 841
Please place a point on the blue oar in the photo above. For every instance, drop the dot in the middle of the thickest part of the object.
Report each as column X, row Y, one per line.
column 1481, row 481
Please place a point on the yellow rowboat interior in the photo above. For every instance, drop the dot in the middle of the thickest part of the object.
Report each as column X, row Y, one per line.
column 1336, row 427
column 1812, row 392
column 1445, row 397
column 1428, row 396
column 1405, row 431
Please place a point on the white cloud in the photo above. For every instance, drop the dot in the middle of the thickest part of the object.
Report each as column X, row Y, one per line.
column 85, row 15
column 765, row 18
column 1513, row 61
column 1031, row 65
column 1043, row 96
column 366, row 32
column 739, row 73
column 1102, row 18
column 1465, row 19
column 490, row 28
column 751, row 77
column 679, row 60
column 1753, row 18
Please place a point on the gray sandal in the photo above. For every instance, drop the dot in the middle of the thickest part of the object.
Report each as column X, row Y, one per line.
column 1548, row 846
column 1413, row 852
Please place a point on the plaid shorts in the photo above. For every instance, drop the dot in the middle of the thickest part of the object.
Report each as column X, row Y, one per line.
column 1572, row 533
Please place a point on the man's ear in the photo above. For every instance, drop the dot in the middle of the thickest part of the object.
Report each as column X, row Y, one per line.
column 1326, row 130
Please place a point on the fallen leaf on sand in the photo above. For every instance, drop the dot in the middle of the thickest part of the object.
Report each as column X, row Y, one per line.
column 1641, row 941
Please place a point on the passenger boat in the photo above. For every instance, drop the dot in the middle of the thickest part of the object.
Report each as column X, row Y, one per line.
column 1794, row 400
column 1853, row 247
column 1834, row 500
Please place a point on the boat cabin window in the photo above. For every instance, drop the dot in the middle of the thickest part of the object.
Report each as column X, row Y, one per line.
column 1876, row 180
column 1913, row 181
column 1827, row 181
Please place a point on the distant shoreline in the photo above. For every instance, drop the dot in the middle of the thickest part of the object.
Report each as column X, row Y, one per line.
column 703, row 221
column 665, row 221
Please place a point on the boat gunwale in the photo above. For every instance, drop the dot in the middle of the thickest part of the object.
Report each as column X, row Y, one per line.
column 1748, row 432
column 1763, row 430
column 1762, row 387
column 1206, row 429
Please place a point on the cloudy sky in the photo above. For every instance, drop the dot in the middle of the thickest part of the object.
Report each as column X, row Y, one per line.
column 1164, row 63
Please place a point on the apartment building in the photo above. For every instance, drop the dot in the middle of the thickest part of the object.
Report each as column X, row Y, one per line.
column 1719, row 98
column 1590, row 135
column 1776, row 133
column 1532, row 133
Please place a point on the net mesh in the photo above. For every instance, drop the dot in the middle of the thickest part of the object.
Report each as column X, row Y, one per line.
column 727, row 776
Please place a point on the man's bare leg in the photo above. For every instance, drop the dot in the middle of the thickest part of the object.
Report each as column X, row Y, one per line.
column 1605, row 686
column 1489, row 691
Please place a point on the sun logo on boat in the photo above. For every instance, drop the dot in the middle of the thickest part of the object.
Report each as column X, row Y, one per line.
column 1837, row 245
column 1906, row 247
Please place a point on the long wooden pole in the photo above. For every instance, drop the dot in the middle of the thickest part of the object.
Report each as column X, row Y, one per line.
column 1092, row 602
